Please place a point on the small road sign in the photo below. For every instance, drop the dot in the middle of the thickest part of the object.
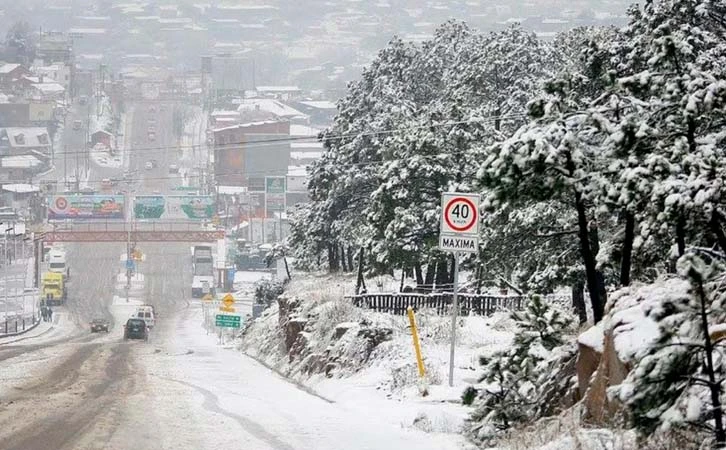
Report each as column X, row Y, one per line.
column 459, row 234
column 208, row 298
column 228, row 300
column 459, row 223
column 227, row 309
column 227, row 321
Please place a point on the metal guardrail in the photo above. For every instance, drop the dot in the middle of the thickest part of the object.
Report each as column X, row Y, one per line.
column 18, row 325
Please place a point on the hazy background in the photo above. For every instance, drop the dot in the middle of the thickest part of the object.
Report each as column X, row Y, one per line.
column 314, row 44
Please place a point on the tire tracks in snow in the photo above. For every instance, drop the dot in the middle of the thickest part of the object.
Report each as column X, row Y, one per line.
column 65, row 415
column 211, row 404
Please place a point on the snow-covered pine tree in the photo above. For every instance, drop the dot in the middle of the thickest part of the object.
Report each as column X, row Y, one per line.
column 665, row 120
column 342, row 180
column 555, row 157
column 511, row 392
column 678, row 380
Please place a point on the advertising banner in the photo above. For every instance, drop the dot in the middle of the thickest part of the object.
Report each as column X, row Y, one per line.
column 174, row 207
column 62, row 207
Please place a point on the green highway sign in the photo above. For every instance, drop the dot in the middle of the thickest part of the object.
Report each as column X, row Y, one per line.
column 228, row 321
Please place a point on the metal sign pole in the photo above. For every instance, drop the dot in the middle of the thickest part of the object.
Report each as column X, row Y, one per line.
column 454, row 315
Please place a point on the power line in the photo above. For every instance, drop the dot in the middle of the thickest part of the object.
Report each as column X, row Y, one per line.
column 239, row 145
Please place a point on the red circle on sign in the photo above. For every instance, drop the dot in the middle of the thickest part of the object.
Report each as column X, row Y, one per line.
column 61, row 203
column 467, row 226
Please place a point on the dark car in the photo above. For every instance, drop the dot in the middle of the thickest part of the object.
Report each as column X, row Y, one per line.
column 136, row 329
column 99, row 325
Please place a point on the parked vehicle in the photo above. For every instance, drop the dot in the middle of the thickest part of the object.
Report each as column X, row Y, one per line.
column 173, row 168
column 149, row 165
column 77, row 124
column 136, row 329
column 99, row 325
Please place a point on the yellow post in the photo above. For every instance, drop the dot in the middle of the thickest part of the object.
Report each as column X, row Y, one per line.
column 416, row 344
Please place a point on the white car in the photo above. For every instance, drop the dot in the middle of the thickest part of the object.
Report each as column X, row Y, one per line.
column 149, row 165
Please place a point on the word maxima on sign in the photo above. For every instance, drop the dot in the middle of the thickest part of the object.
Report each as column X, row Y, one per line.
column 453, row 243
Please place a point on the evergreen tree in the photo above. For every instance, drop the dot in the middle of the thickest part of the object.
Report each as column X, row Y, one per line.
column 511, row 391
column 678, row 380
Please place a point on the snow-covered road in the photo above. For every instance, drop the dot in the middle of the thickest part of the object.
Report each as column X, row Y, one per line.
column 63, row 388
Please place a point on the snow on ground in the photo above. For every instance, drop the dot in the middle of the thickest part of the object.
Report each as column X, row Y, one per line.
column 19, row 370
column 388, row 379
column 272, row 412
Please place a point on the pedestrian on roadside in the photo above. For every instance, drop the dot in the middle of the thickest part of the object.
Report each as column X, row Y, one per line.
column 43, row 314
column 50, row 315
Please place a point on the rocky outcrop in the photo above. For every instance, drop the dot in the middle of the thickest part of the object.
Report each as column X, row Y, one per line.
column 627, row 329
column 611, row 371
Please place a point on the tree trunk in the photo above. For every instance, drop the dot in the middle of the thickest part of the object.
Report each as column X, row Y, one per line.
column 343, row 261
column 403, row 278
column 479, row 276
column 287, row 268
column 715, row 225
column 333, row 258
column 713, row 385
column 578, row 301
column 360, row 282
column 627, row 258
column 442, row 274
column 430, row 275
column 681, row 235
column 350, row 259
column 597, row 303
column 418, row 273
column 451, row 272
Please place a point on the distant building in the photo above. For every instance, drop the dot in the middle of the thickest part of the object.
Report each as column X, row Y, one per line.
column 11, row 76
column 279, row 92
column 274, row 108
column 230, row 75
column 55, row 47
column 25, row 141
column 101, row 137
column 245, row 154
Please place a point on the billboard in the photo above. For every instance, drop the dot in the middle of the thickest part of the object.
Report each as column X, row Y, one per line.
column 174, row 207
column 62, row 207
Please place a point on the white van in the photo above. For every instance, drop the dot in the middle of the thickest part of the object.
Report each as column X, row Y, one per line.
column 146, row 313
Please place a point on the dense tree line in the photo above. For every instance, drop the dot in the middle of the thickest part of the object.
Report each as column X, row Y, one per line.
column 599, row 154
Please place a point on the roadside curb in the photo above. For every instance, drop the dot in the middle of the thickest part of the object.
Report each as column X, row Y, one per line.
column 299, row 385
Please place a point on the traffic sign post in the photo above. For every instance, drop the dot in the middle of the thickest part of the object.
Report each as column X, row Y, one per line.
column 459, row 234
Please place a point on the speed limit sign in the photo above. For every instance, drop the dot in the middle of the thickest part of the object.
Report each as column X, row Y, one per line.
column 459, row 222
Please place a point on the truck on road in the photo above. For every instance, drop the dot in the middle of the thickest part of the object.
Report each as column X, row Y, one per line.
column 202, row 285
column 57, row 263
column 53, row 289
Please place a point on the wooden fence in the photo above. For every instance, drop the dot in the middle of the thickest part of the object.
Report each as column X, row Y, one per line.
column 469, row 304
